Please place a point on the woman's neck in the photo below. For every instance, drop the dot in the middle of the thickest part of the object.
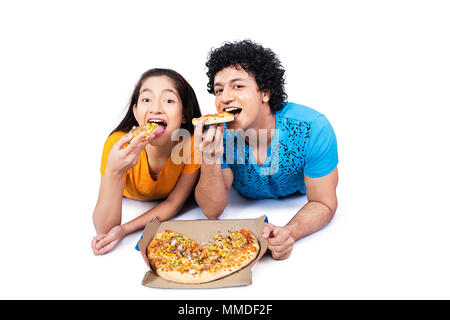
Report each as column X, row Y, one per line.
column 159, row 154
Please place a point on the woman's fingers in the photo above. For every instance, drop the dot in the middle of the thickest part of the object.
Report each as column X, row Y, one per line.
column 95, row 241
column 104, row 241
column 108, row 247
column 123, row 141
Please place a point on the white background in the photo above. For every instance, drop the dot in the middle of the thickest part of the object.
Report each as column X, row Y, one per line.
column 379, row 70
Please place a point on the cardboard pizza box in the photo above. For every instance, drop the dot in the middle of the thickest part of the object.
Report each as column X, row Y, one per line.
column 202, row 231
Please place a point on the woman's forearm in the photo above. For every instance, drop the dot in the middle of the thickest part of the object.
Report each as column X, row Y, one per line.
column 108, row 210
column 169, row 207
column 163, row 211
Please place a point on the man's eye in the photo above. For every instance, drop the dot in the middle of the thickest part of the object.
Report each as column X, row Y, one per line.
column 238, row 86
column 218, row 91
column 145, row 100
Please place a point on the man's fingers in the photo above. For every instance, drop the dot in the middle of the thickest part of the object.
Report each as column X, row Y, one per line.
column 279, row 237
column 207, row 141
column 218, row 136
column 198, row 133
column 267, row 230
column 279, row 248
column 210, row 133
column 283, row 254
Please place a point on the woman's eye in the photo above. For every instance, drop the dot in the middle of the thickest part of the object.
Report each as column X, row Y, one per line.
column 146, row 100
column 169, row 101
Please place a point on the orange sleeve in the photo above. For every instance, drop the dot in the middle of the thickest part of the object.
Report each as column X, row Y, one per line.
column 112, row 139
column 194, row 162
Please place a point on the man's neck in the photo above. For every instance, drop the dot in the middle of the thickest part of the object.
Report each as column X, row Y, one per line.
column 264, row 125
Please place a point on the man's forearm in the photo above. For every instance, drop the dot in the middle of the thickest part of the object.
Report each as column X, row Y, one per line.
column 211, row 193
column 309, row 219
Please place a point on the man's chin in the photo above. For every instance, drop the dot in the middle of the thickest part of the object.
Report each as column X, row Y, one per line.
column 236, row 124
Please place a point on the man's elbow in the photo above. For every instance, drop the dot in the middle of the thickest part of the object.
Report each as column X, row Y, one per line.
column 333, row 208
column 211, row 208
column 211, row 213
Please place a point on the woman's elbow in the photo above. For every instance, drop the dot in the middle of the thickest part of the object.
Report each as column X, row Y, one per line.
column 102, row 226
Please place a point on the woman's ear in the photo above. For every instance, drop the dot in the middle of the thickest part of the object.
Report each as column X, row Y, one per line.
column 183, row 119
column 134, row 111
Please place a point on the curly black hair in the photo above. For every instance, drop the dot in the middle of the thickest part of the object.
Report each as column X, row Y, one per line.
column 262, row 63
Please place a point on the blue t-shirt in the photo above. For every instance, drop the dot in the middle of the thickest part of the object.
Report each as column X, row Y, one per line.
column 304, row 143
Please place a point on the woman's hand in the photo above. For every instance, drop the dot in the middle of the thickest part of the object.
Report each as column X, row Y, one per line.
column 104, row 243
column 120, row 159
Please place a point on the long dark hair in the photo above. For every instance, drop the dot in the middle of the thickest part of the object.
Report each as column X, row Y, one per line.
column 191, row 108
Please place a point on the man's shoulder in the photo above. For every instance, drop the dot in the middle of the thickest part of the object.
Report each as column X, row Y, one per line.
column 299, row 112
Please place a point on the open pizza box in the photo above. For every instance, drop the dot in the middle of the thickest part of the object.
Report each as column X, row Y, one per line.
column 202, row 231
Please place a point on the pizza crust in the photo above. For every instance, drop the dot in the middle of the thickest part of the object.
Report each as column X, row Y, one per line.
column 220, row 117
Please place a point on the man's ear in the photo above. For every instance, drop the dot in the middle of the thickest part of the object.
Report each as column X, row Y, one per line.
column 265, row 95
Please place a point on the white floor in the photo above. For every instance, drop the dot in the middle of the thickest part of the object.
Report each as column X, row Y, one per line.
column 358, row 255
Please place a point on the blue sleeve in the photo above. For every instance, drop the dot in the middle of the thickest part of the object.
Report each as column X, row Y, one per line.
column 224, row 163
column 322, row 156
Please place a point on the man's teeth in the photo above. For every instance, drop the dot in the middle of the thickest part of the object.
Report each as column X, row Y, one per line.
column 232, row 109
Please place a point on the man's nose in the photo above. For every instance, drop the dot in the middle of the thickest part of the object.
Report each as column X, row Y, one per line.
column 227, row 95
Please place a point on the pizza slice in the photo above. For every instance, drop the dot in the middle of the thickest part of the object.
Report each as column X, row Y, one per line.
column 149, row 128
column 220, row 117
column 179, row 259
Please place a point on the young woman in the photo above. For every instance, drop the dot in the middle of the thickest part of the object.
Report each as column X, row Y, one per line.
column 142, row 168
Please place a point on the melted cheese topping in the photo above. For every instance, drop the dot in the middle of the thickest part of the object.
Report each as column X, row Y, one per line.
column 148, row 128
column 172, row 251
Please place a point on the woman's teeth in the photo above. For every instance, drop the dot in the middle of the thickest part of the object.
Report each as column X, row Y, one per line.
column 159, row 122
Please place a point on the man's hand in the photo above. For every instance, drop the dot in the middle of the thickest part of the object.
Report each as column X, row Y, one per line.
column 104, row 243
column 210, row 142
column 280, row 241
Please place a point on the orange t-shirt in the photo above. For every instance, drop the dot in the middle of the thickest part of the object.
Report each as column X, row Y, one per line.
column 139, row 185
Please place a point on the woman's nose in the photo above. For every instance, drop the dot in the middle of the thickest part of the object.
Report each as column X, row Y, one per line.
column 156, row 107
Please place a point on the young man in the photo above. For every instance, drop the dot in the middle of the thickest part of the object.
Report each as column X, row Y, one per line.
column 272, row 149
